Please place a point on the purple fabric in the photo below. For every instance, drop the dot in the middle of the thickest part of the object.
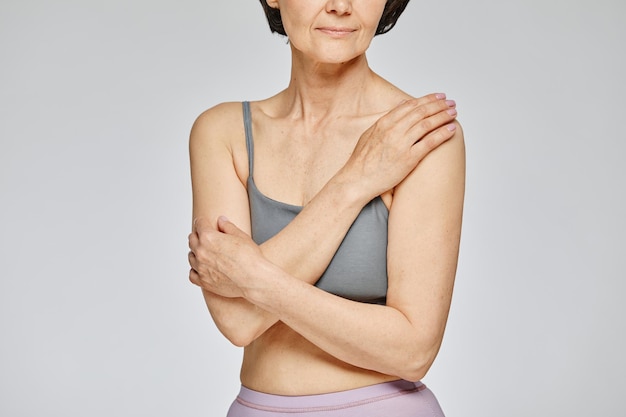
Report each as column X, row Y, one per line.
column 389, row 399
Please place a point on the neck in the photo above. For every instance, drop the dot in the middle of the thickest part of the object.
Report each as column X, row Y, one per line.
column 318, row 90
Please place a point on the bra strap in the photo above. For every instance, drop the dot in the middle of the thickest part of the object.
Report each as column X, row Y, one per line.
column 247, row 123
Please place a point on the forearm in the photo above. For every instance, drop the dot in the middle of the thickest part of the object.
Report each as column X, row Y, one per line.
column 237, row 319
column 384, row 155
column 305, row 247
column 370, row 336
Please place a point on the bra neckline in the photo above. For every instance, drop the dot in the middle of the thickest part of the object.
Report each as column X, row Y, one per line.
column 247, row 116
column 258, row 192
column 294, row 207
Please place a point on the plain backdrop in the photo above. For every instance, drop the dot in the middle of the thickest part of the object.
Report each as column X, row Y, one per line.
column 97, row 317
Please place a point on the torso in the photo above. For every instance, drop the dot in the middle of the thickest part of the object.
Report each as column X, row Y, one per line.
column 281, row 361
column 358, row 269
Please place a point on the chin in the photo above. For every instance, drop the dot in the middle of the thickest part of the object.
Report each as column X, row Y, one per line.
column 344, row 60
column 338, row 58
column 330, row 54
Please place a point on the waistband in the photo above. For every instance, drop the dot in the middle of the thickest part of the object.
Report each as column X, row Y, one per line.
column 326, row 402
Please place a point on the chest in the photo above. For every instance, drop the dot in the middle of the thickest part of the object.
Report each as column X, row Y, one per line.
column 293, row 162
column 358, row 270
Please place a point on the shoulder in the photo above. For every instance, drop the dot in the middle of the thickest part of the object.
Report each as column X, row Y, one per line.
column 447, row 160
column 440, row 175
column 219, row 123
column 217, row 139
column 453, row 150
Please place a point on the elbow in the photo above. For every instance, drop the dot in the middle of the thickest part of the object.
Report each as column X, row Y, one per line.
column 239, row 336
column 415, row 367
column 413, row 373
column 238, row 329
column 239, row 341
column 236, row 332
column 417, row 357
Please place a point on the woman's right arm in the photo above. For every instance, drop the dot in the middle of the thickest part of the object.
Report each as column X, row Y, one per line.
column 304, row 248
column 381, row 159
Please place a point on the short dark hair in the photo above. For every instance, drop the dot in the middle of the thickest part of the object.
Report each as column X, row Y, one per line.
column 393, row 10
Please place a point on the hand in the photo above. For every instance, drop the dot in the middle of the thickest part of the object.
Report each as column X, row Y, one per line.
column 222, row 260
column 393, row 146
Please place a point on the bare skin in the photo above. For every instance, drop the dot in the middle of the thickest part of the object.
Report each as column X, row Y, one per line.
column 338, row 136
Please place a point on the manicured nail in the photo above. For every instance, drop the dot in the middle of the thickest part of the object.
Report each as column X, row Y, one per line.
column 451, row 112
column 451, row 103
column 451, row 127
column 440, row 96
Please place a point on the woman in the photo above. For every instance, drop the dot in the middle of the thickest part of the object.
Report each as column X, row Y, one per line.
column 352, row 191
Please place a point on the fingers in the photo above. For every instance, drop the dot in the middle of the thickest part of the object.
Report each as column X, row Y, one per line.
column 226, row 226
column 427, row 117
column 432, row 140
column 200, row 224
column 204, row 232
column 416, row 107
column 194, row 277
column 193, row 262
column 419, row 101
column 439, row 115
column 205, row 240
column 415, row 118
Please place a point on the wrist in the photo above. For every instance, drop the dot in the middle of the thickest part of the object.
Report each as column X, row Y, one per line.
column 267, row 284
column 348, row 190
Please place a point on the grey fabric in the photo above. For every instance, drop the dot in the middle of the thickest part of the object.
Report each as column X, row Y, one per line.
column 358, row 270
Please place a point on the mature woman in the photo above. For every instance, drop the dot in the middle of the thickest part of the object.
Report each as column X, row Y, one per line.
column 352, row 193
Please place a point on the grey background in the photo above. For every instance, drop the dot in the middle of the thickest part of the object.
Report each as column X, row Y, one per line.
column 96, row 101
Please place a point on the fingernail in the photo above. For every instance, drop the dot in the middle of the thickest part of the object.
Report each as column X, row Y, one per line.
column 451, row 127
column 451, row 112
column 451, row 103
column 440, row 96
column 223, row 218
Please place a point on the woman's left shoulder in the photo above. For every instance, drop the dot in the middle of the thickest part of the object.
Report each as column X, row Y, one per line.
column 441, row 172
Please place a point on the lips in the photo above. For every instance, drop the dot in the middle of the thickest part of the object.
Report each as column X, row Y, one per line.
column 336, row 30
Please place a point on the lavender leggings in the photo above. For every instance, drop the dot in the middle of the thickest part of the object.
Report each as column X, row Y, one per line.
column 389, row 399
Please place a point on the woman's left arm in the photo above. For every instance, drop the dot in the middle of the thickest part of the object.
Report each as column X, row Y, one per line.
column 403, row 337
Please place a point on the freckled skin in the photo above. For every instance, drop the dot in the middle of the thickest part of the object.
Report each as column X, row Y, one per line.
column 335, row 138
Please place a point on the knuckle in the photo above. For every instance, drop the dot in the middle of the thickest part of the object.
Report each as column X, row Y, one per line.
column 413, row 102
column 206, row 239
column 199, row 255
column 382, row 124
column 427, row 124
column 421, row 112
column 441, row 104
column 429, row 142
column 203, row 235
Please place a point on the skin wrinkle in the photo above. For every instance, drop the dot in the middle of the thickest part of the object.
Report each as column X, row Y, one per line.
column 336, row 165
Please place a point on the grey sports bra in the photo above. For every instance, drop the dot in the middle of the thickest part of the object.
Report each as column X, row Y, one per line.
column 358, row 270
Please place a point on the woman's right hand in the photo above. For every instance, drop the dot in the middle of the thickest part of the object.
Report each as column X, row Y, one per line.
column 393, row 146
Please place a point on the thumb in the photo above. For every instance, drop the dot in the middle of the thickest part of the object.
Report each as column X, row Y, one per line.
column 226, row 226
column 201, row 224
